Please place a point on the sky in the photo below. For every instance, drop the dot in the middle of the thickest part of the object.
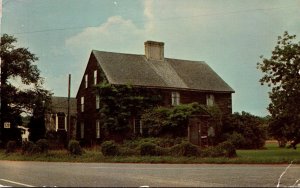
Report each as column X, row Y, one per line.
column 230, row 36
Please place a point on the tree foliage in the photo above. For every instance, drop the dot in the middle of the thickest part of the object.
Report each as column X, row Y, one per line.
column 121, row 102
column 282, row 73
column 173, row 121
column 244, row 130
column 18, row 64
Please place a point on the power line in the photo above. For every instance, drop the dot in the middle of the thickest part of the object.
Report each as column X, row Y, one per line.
column 160, row 20
column 56, row 29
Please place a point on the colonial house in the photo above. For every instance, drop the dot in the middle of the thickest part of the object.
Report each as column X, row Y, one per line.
column 178, row 81
column 56, row 119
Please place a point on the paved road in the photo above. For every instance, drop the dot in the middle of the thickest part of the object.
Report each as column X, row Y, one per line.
column 52, row 174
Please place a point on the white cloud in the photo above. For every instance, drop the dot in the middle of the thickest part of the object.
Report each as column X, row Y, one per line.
column 148, row 13
column 115, row 34
column 0, row 9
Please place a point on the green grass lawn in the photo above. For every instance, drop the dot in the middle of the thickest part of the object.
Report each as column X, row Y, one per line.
column 270, row 155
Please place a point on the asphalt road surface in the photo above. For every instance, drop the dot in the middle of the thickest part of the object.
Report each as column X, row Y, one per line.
column 50, row 174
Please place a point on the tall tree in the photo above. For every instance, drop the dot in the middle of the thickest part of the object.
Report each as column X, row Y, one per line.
column 282, row 74
column 18, row 64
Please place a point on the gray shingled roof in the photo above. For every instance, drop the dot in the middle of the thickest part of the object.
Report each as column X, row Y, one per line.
column 136, row 70
column 60, row 104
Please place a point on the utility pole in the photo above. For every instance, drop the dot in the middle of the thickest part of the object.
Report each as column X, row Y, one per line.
column 1, row 120
column 69, row 119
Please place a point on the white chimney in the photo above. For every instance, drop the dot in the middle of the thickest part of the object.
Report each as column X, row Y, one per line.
column 154, row 50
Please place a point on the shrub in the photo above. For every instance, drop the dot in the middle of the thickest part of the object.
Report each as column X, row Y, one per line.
column 42, row 145
column 160, row 151
column 189, row 149
column 227, row 148
column 109, row 148
column 169, row 142
column 126, row 151
column 224, row 149
column 74, row 147
column 184, row 149
column 29, row 147
column 237, row 139
column 251, row 127
column 51, row 135
column 11, row 146
column 148, row 148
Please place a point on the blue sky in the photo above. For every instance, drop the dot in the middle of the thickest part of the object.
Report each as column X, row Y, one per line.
column 228, row 35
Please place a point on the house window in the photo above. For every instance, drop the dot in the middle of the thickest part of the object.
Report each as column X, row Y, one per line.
column 86, row 80
column 137, row 126
column 175, row 98
column 141, row 128
column 61, row 118
column 82, row 104
column 82, row 130
column 95, row 77
column 210, row 100
column 97, row 128
column 97, row 101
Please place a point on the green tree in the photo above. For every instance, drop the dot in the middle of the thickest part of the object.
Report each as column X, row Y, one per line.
column 18, row 63
column 245, row 130
column 282, row 73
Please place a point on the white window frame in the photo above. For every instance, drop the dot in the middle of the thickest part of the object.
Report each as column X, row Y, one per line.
column 86, row 80
column 210, row 100
column 141, row 128
column 82, row 104
column 98, row 130
column 175, row 98
column 97, row 101
column 82, row 130
column 95, row 77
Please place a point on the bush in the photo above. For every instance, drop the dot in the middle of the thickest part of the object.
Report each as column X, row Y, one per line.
column 126, row 151
column 51, row 135
column 227, row 148
column 42, row 145
column 74, row 147
column 237, row 139
column 184, row 149
column 251, row 127
column 148, row 149
column 29, row 147
column 11, row 146
column 224, row 149
column 189, row 149
column 109, row 148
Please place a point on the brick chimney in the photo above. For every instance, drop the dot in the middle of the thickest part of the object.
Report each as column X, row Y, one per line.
column 154, row 50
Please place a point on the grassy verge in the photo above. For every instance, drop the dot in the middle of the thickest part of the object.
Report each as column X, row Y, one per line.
column 272, row 154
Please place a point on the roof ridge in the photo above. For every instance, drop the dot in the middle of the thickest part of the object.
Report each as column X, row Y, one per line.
column 143, row 55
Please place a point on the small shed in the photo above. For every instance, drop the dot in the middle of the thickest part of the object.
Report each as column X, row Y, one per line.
column 200, row 130
column 24, row 133
column 56, row 119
